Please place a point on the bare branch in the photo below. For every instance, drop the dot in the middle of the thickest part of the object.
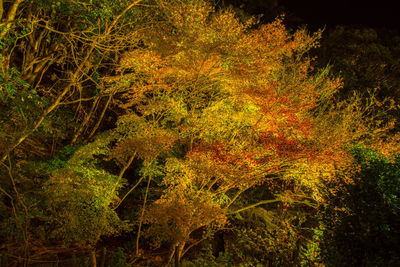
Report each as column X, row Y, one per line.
column 122, row 13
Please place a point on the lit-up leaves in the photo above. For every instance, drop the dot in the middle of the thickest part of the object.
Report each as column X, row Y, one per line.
column 222, row 120
column 217, row 168
column 140, row 136
column 235, row 100
column 80, row 197
column 180, row 211
column 224, row 108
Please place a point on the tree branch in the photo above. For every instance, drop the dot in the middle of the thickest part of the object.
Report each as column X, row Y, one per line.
column 55, row 104
column 255, row 205
column 10, row 17
column 1, row 9
column 122, row 13
column 101, row 117
column 141, row 215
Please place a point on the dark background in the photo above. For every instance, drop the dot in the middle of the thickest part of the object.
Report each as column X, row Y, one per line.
column 325, row 13
column 383, row 13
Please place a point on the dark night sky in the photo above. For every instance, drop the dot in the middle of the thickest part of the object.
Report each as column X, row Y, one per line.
column 318, row 13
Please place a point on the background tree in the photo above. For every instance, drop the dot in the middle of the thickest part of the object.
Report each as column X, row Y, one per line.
column 367, row 59
column 361, row 216
column 52, row 54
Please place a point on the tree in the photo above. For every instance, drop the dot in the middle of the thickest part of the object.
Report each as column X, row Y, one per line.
column 368, row 61
column 361, row 216
column 203, row 107
column 367, row 58
column 214, row 109
column 52, row 54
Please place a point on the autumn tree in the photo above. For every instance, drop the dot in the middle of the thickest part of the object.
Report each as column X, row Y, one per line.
column 166, row 107
column 213, row 108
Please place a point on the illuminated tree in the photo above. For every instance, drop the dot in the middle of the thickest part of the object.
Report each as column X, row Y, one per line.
column 217, row 108
column 190, row 107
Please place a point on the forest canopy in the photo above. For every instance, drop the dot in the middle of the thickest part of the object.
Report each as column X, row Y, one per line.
column 175, row 132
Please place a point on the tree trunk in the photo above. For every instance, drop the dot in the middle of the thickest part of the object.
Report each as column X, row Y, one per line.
column 177, row 263
column 103, row 257
column 178, row 253
column 93, row 258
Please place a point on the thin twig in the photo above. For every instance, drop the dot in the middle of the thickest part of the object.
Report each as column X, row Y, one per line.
column 130, row 191
column 5, row 193
column 87, row 118
column 121, row 173
column 235, row 197
column 101, row 117
column 21, row 202
column 141, row 215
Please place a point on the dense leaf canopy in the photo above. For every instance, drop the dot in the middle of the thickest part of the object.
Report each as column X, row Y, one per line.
column 164, row 122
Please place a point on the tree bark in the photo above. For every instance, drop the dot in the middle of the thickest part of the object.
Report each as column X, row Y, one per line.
column 93, row 258
column 10, row 17
column 177, row 263
column 178, row 253
column 103, row 257
column 1, row 16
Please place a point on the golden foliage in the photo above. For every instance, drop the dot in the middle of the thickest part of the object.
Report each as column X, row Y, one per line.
column 223, row 107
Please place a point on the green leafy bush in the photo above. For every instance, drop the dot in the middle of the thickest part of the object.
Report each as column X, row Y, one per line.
column 362, row 217
column 118, row 259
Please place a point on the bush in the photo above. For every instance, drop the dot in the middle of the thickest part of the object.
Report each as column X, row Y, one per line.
column 362, row 217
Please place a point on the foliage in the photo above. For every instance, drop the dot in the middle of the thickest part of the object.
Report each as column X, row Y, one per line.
column 207, row 259
column 220, row 106
column 310, row 254
column 361, row 215
column 367, row 58
column 203, row 106
column 118, row 259
column 262, row 247
column 226, row 121
column 368, row 61
column 48, row 49
column 81, row 194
